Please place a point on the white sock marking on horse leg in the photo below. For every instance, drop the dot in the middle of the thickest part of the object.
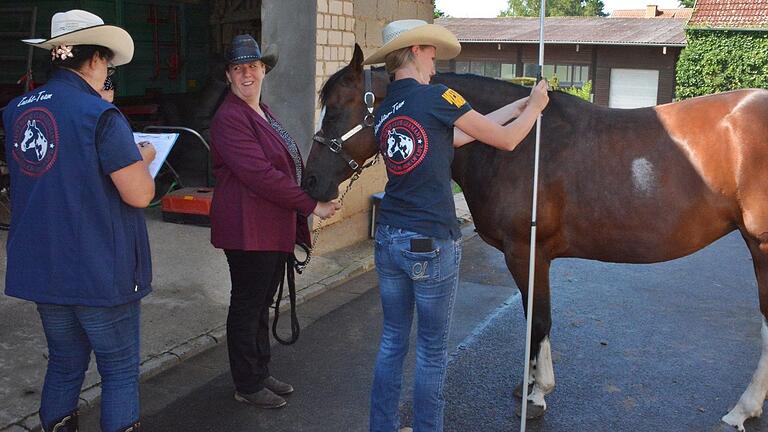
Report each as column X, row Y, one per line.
column 751, row 401
column 543, row 375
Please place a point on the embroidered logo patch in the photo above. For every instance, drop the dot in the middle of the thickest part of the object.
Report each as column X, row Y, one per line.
column 35, row 141
column 403, row 144
column 454, row 98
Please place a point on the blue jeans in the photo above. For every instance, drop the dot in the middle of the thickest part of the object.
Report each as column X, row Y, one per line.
column 112, row 333
column 428, row 280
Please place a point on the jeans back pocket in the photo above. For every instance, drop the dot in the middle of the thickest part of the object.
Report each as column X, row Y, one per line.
column 422, row 265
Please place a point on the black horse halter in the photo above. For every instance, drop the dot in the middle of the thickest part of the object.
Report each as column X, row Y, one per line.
column 336, row 145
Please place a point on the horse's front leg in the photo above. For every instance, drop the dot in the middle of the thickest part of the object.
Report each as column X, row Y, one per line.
column 541, row 371
column 751, row 401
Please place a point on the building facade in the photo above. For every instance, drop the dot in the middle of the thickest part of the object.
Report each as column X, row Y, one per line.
column 630, row 62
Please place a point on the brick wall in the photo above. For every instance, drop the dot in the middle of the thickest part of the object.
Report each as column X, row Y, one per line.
column 335, row 38
column 372, row 15
column 339, row 25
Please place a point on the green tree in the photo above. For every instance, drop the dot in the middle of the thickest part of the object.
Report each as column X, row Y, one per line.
column 530, row 8
column 594, row 8
column 438, row 12
column 717, row 60
column 687, row 3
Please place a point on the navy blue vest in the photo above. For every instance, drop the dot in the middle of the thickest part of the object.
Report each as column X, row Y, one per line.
column 72, row 240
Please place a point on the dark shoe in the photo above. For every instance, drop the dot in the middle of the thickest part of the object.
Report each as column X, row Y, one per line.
column 278, row 387
column 263, row 398
column 68, row 423
column 136, row 427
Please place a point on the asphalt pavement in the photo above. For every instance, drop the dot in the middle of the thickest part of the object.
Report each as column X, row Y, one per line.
column 657, row 347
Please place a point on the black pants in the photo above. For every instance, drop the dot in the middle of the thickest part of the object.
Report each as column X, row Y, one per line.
column 255, row 277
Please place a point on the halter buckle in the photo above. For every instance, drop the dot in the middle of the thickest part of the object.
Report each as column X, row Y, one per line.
column 334, row 145
column 354, row 165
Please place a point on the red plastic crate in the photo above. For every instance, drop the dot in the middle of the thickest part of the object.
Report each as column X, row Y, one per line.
column 190, row 205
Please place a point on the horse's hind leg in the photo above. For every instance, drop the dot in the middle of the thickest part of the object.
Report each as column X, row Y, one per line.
column 541, row 372
column 751, row 401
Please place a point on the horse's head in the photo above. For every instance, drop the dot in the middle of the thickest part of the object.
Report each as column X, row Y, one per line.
column 337, row 149
column 28, row 134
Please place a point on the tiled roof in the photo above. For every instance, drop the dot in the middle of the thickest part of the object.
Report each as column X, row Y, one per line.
column 682, row 13
column 569, row 30
column 730, row 14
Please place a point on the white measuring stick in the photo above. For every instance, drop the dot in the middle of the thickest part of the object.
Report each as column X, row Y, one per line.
column 532, row 257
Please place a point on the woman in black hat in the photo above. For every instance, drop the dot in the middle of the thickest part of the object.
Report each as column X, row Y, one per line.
column 258, row 214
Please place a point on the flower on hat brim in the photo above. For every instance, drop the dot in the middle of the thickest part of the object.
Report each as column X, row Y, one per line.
column 62, row 52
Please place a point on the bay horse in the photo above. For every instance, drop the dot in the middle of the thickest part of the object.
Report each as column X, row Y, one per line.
column 617, row 185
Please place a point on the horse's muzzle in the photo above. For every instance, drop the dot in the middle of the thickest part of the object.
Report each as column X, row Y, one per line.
column 312, row 186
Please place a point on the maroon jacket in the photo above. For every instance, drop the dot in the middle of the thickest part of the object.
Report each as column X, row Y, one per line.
column 257, row 204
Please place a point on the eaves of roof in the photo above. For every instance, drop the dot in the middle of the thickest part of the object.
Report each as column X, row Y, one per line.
column 570, row 30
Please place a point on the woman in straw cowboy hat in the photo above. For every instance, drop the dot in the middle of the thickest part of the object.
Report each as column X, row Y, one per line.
column 418, row 246
column 78, row 244
column 258, row 214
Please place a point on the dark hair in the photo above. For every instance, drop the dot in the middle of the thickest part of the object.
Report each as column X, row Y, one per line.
column 82, row 54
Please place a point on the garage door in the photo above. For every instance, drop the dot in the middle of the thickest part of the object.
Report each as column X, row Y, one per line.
column 633, row 88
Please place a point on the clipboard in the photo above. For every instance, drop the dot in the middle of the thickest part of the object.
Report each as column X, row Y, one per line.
column 163, row 143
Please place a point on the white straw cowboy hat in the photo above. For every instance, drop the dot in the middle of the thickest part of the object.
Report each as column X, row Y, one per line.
column 79, row 27
column 405, row 33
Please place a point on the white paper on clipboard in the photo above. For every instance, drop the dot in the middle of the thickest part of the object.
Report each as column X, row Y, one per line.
column 163, row 143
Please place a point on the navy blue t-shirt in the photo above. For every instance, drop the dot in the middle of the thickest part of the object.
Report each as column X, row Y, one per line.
column 414, row 129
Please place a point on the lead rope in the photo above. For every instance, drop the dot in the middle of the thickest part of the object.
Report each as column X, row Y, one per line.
column 301, row 265
column 295, row 327
column 294, row 265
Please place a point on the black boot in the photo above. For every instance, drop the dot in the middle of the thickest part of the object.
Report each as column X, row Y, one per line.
column 263, row 398
column 136, row 427
column 68, row 423
column 278, row 387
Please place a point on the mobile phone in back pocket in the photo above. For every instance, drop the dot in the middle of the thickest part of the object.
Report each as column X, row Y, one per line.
column 422, row 245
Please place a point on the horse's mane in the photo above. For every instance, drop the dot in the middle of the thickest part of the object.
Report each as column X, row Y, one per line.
column 487, row 82
column 477, row 80
column 325, row 92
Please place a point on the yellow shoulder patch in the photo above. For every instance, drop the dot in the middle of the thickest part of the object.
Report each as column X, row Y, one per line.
column 454, row 98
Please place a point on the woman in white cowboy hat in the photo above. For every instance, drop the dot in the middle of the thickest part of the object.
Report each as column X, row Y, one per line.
column 78, row 244
column 418, row 246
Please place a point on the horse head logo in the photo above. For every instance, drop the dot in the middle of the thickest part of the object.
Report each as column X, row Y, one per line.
column 399, row 143
column 34, row 138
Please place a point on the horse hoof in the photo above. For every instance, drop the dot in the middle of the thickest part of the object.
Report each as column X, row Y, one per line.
column 519, row 390
column 531, row 412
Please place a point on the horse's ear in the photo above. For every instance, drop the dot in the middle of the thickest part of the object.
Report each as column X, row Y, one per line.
column 356, row 64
